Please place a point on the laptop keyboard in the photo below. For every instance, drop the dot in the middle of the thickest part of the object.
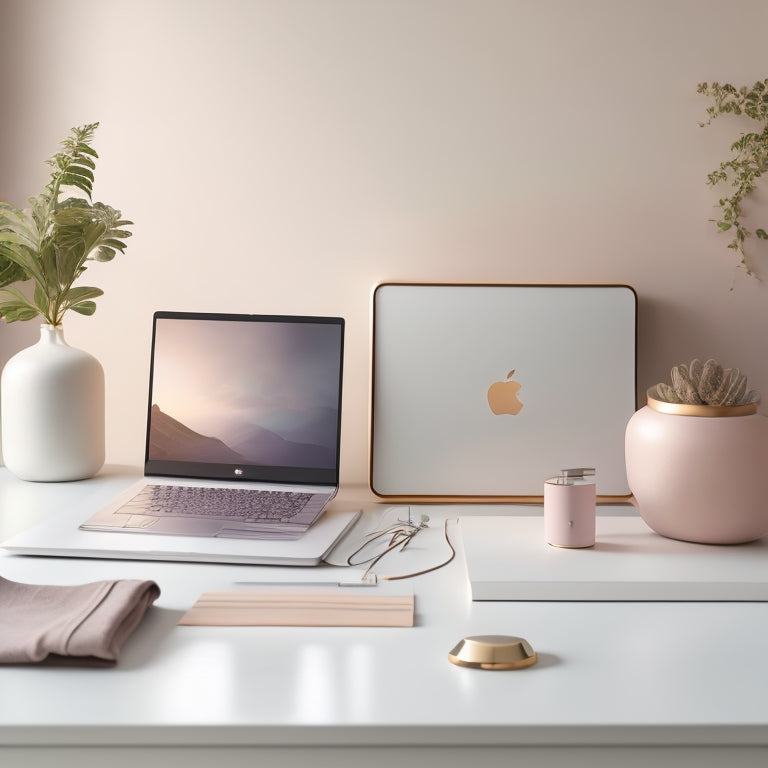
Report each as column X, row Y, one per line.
column 241, row 504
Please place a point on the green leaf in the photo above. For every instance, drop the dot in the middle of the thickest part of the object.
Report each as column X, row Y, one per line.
column 15, row 306
column 84, row 149
column 84, row 308
column 102, row 253
column 87, row 162
column 21, row 254
column 10, row 271
column 11, row 313
column 40, row 298
column 81, row 170
column 82, row 292
column 73, row 213
column 72, row 180
column 762, row 234
column 724, row 225
column 111, row 241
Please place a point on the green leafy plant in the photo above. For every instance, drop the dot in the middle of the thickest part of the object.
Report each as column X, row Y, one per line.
column 749, row 160
column 52, row 241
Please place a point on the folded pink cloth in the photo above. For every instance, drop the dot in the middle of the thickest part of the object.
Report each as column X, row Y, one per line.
column 88, row 621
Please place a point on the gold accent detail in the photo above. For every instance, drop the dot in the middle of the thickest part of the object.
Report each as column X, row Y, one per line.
column 476, row 499
column 493, row 652
column 686, row 409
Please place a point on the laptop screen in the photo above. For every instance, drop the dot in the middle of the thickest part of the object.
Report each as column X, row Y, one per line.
column 245, row 397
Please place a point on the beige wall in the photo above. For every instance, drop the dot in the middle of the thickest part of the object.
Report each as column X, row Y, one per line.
column 287, row 155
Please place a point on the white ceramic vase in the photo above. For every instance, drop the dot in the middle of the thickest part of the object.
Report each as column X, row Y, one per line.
column 700, row 473
column 52, row 399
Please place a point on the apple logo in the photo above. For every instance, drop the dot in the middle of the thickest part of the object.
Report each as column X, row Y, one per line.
column 502, row 396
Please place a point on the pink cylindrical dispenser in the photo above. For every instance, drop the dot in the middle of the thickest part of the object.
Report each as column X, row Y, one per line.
column 570, row 509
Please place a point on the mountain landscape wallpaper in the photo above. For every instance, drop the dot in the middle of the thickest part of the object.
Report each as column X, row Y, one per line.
column 245, row 393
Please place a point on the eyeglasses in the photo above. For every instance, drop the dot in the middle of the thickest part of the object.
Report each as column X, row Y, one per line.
column 396, row 537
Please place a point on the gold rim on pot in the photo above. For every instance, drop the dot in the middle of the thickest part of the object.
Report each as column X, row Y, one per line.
column 686, row 409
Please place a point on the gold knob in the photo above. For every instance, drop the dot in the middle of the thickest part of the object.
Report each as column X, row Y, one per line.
column 493, row 652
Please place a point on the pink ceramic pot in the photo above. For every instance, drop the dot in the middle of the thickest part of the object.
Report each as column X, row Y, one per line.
column 700, row 473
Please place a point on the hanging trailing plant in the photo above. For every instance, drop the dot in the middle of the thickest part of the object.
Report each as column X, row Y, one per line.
column 749, row 158
column 52, row 241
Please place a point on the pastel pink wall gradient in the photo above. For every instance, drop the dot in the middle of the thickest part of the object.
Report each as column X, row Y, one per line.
column 285, row 157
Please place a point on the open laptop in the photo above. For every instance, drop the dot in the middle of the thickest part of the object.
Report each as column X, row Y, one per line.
column 242, row 447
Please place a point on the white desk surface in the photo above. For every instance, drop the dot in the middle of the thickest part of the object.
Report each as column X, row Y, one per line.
column 687, row 677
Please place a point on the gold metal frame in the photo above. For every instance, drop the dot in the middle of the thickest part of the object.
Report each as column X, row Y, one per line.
column 470, row 498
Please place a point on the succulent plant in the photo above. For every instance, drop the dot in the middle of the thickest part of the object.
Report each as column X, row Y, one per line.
column 705, row 384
